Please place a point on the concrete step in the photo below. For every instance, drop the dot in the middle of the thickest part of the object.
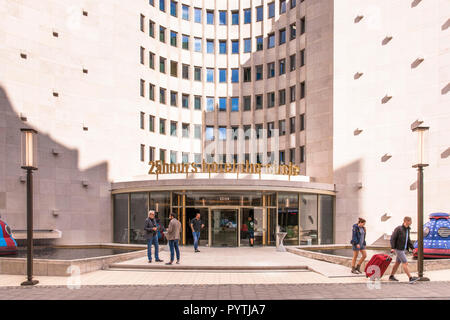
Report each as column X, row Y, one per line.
column 163, row 266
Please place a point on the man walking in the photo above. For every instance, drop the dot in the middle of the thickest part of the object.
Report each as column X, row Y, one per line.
column 152, row 236
column 173, row 235
column 400, row 243
column 251, row 230
column 196, row 226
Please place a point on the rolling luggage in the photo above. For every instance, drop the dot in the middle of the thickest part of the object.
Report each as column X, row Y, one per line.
column 377, row 265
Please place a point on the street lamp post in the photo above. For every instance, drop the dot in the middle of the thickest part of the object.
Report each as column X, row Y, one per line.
column 420, row 165
column 29, row 163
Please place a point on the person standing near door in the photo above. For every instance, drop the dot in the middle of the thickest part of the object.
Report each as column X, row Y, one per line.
column 152, row 236
column 196, row 226
column 251, row 230
column 173, row 235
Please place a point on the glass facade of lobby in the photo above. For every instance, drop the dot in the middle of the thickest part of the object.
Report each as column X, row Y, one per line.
column 307, row 218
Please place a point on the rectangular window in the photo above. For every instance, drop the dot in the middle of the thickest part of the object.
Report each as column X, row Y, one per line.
column 185, row 130
column 151, row 123
column 209, row 104
column 197, row 15
column 293, row 3
column 162, row 64
column 270, row 129
column 282, row 6
column 173, row 128
column 234, row 75
column 302, row 90
column 271, row 70
column 151, row 29
column 258, row 101
column 197, row 131
column 162, row 126
column 247, row 103
column 292, row 94
column 185, row 101
column 162, row 155
column 142, row 55
column 282, row 66
column 142, row 88
column 173, row 38
column 197, row 73
column 197, row 102
column 162, row 5
column 247, row 15
column 282, row 97
column 292, row 125
column 142, row 153
column 185, row 12
column 302, row 122
column 271, row 8
column 281, row 127
column 162, row 95
column 302, row 58
column 258, row 129
column 151, row 60
column 151, row 93
column 142, row 121
column 197, row 157
column 271, row 40
column 209, row 46
column 198, row 44
column 247, row 74
column 173, row 8
column 151, row 154
column 293, row 31
column 234, row 46
column 292, row 155
column 209, row 133
column 222, row 104
column 259, row 43
column 270, row 99
column 302, row 154
column 142, row 23
column 234, row 136
column 292, row 62
column 174, row 68
column 209, row 75
column 173, row 157
column 222, row 75
column 302, row 25
column 210, row 17
column 173, row 98
column 259, row 13
column 185, row 71
column 235, row 17
column 222, row 18
column 222, row 133
column 185, row 42
column 222, row 46
column 259, row 72
column 162, row 34
column 185, row 157
column 247, row 45
column 282, row 36
column 234, row 104
column 282, row 157
column 247, row 132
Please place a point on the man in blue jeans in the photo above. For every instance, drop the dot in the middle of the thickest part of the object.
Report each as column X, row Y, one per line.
column 173, row 235
column 152, row 236
column 196, row 226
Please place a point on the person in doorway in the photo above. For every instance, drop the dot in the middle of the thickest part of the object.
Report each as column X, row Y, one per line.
column 196, row 226
column 251, row 230
column 152, row 236
column 358, row 244
column 173, row 235
column 400, row 244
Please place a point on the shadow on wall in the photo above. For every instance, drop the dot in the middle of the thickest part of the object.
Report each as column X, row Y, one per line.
column 76, row 202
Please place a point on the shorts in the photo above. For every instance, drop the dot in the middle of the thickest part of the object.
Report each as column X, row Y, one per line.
column 361, row 247
column 401, row 256
column 251, row 234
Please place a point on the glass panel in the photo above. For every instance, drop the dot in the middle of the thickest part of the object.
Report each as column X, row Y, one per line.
column 271, row 225
column 160, row 202
column 326, row 219
column 288, row 216
column 308, row 219
column 138, row 214
column 224, row 227
column 247, row 198
column 190, row 214
column 256, row 215
column 121, row 218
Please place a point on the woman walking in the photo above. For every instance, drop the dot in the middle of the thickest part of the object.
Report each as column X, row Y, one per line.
column 359, row 244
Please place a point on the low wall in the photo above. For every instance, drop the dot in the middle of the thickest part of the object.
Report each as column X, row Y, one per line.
column 65, row 268
column 307, row 251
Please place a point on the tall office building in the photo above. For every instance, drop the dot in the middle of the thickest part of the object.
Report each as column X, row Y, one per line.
column 315, row 96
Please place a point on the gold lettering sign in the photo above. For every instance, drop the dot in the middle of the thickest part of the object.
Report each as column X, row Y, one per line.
column 160, row 167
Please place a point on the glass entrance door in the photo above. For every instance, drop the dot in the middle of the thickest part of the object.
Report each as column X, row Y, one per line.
column 224, row 227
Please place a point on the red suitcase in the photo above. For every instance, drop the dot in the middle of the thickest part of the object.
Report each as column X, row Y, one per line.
column 377, row 265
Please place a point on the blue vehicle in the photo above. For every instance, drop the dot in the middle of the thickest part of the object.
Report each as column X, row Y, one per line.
column 436, row 237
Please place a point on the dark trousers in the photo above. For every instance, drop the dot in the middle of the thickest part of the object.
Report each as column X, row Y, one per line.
column 173, row 244
column 153, row 240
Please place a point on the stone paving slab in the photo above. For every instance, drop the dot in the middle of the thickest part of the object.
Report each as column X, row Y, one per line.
column 429, row 290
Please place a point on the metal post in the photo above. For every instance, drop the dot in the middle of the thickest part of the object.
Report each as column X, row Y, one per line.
column 30, row 281
column 420, row 223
